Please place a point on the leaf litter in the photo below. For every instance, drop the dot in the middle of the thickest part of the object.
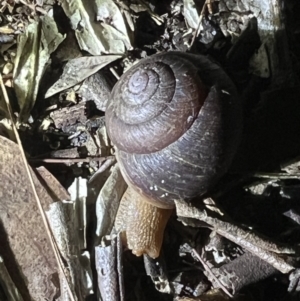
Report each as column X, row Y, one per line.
column 59, row 60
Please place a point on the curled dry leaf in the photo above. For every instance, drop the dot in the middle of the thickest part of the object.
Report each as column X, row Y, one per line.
column 108, row 202
column 25, row 248
column 91, row 35
column 78, row 70
column 191, row 14
column 34, row 48
column 108, row 13
column 108, row 261
column 87, row 33
column 68, row 223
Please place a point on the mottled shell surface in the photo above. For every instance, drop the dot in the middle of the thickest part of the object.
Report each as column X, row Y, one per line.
column 175, row 120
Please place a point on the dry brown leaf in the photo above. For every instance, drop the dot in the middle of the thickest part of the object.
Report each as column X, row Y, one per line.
column 77, row 70
column 34, row 49
column 191, row 14
column 67, row 220
column 109, row 14
column 25, row 247
column 108, row 202
column 91, row 35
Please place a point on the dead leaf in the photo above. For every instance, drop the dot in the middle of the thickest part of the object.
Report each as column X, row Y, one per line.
column 91, row 35
column 68, row 223
column 108, row 12
column 108, row 261
column 108, row 202
column 33, row 52
column 191, row 13
column 25, row 248
column 84, row 27
column 78, row 70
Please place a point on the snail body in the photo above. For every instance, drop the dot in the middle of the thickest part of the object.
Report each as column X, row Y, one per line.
column 175, row 120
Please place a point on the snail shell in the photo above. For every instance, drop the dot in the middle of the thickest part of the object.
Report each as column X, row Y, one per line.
column 175, row 120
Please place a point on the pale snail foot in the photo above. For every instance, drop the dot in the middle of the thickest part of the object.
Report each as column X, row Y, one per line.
column 143, row 223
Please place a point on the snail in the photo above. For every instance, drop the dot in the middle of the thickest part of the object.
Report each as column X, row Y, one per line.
column 175, row 121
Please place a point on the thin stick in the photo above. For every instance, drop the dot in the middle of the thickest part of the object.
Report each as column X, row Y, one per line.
column 266, row 175
column 208, row 269
column 43, row 215
column 72, row 160
column 114, row 72
column 199, row 23
column 258, row 246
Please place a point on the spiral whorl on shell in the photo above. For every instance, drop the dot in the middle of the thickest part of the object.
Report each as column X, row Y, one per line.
column 174, row 119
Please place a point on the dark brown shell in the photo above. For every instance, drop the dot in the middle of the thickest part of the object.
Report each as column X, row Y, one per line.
column 181, row 140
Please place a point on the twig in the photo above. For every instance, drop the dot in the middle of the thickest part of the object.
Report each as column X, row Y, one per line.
column 208, row 269
column 258, row 246
column 199, row 23
column 72, row 160
column 278, row 175
column 113, row 71
column 43, row 215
